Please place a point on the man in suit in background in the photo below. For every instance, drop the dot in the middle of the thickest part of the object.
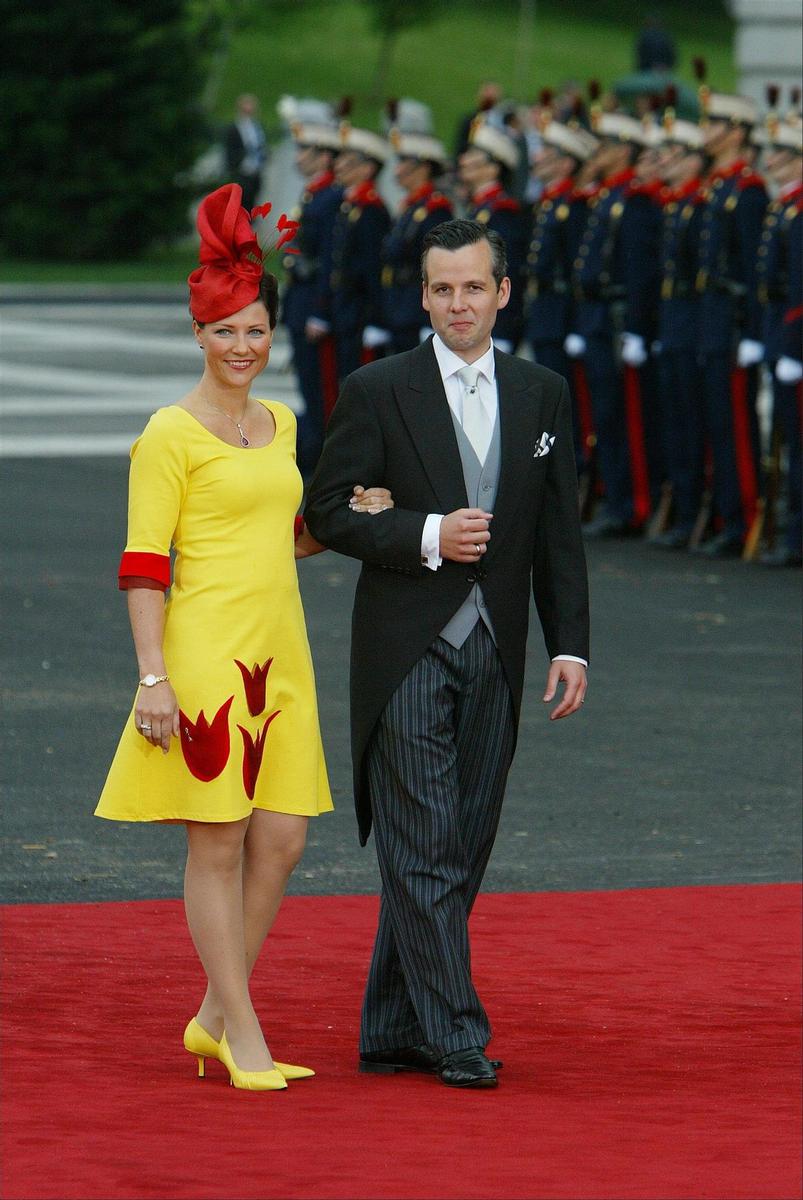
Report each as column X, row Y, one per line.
column 245, row 149
column 476, row 447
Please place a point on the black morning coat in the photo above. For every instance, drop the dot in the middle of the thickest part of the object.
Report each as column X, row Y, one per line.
column 392, row 427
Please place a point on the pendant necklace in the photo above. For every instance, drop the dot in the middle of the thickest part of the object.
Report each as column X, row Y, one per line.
column 243, row 439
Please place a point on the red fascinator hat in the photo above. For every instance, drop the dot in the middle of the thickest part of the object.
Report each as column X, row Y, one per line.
column 230, row 273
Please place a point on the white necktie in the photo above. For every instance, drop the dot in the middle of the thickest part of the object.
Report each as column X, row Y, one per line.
column 476, row 422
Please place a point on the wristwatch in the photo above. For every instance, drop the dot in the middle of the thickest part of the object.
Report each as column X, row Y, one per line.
column 152, row 680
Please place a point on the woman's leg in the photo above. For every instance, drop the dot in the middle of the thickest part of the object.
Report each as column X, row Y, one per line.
column 273, row 846
column 213, row 897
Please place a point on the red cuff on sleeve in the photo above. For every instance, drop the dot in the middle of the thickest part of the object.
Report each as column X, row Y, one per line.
column 148, row 566
column 140, row 581
column 793, row 314
column 298, row 528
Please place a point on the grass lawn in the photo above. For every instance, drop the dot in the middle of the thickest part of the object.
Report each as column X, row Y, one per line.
column 328, row 49
column 164, row 266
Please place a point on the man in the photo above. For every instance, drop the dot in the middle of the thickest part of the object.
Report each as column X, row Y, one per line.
column 780, row 291
column 419, row 158
column 354, row 302
column 439, row 630
column 682, row 166
column 729, row 344
column 560, row 216
column 245, row 149
column 306, row 293
column 489, row 95
column 485, row 168
column 609, row 281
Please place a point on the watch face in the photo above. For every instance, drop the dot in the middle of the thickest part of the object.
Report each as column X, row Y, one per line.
column 149, row 680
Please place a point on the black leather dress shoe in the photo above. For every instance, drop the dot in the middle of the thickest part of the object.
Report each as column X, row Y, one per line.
column 724, row 545
column 409, row 1058
column 609, row 527
column 782, row 557
column 672, row 539
column 467, row 1069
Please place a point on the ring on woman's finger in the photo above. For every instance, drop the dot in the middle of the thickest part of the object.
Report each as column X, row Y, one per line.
column 145, row 727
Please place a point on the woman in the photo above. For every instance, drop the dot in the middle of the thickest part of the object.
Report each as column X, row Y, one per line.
column 225, row 665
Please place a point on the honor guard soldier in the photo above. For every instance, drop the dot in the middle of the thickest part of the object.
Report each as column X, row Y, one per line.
column 305, row 310
column 780, row 291
column 559, row 220
column 360, row 226
column 419, row 159
column 641, row 232
column 682, row 166
column 607, row 285
column 730, row 315
column 485, row 166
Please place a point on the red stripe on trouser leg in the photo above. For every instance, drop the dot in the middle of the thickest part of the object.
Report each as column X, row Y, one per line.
column 585, row 416
column 742, row 446
column 327, row 360
column 638, row 454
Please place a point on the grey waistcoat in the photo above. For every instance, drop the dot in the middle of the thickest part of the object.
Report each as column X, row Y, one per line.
column 482, row 480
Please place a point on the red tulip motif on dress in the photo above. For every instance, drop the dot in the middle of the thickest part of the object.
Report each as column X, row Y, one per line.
column 252, row 755
column 206, row 745
column 254, row 683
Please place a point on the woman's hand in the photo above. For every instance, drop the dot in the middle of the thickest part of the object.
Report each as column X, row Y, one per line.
column 306, row 544
column 156, row 714
column 370, row 500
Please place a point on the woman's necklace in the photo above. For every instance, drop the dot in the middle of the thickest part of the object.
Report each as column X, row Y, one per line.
column 243, row 439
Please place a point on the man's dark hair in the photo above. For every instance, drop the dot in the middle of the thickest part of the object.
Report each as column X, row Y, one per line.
column 453, row 235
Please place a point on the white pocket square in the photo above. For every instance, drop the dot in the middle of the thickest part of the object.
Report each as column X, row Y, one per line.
column 544, row 445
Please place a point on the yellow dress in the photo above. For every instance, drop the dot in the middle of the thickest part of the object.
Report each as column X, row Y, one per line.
column 235, row 644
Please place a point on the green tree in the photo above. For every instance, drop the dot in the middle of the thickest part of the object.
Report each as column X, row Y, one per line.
column 389, row 18
column 102, row 124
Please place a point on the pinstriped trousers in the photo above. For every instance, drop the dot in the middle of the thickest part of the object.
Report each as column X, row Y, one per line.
column 437, row 765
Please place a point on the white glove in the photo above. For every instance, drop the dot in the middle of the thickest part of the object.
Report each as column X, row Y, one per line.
column 634, row 352
column 749, row 352
column 425, row 333
column 574, row 345
column 503, row 344
column 788, row 370
column 316, row 328
column 373, row 336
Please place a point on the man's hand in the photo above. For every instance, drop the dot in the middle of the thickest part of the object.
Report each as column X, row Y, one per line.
column 574, row 676
column 464, row 534
column 788, row 370
column 373, row 337
column 316, row 329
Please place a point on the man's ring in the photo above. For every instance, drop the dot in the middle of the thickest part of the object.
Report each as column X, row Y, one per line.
column 477, row 548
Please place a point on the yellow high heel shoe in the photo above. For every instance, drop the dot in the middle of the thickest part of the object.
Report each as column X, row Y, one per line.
column 250, row 1081
column 200, row 1043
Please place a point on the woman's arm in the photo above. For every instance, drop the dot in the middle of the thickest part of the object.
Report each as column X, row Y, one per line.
column 156, row 712
column 363, row 500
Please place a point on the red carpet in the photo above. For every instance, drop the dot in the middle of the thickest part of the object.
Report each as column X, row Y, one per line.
column 651, row 1043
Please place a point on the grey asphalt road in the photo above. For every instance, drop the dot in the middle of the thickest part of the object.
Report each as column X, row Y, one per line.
column 683, row 768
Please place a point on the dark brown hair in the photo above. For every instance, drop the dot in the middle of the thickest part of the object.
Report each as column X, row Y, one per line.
column 268, row 294
column 453, row 235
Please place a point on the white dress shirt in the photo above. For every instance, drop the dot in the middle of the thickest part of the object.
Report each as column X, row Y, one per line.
column 449, row 364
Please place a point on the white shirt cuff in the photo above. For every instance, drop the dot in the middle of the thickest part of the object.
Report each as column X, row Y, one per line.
column 569, row 658
column 431, row 542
